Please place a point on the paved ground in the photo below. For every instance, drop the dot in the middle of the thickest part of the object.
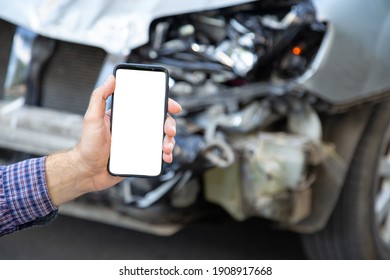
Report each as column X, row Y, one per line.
column 70, row 238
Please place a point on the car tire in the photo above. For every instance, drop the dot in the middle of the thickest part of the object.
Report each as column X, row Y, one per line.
column 359, row 227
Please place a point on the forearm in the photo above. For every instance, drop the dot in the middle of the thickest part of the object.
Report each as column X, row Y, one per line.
column 66, row 180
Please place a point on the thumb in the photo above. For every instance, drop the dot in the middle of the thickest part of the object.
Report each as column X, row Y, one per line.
column 97, row 103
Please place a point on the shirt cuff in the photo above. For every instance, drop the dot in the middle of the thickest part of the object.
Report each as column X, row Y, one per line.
column 26, row 192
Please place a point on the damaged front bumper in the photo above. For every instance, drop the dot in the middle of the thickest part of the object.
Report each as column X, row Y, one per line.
column 246, row 171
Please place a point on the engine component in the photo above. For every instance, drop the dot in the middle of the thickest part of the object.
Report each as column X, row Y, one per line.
column 270, row 180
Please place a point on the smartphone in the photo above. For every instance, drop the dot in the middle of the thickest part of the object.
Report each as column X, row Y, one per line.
column 138, row 113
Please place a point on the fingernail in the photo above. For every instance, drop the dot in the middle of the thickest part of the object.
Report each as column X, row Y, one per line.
column 178, row 104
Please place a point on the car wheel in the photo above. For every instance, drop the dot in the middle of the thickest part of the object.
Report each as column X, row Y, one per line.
column 359, row 227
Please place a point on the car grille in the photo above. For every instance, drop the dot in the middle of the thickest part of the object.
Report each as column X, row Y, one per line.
column 70, row 76
column 7, row 31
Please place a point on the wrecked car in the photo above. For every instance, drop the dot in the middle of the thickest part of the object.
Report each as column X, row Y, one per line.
column 285, row 110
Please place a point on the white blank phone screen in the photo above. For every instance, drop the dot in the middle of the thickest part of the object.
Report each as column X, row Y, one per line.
column 138, row 116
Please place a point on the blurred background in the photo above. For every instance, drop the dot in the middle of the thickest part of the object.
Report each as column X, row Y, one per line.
column 71, row 238
column 282, row 150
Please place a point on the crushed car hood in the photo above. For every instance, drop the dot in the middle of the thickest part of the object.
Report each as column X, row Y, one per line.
column 101, row 22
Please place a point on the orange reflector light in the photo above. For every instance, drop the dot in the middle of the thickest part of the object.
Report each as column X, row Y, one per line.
column 296, row 50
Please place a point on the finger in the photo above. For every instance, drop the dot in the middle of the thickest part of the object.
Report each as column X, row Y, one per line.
column 173, row 106
column 168, row 158
column 168, row 144
column 170, row 126
column 97, row 103
column 109, row 84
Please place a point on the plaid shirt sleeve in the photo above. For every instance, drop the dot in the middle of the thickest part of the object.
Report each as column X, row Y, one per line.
column 24, row 198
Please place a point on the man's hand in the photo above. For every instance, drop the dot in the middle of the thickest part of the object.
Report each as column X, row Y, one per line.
column 84, row 168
